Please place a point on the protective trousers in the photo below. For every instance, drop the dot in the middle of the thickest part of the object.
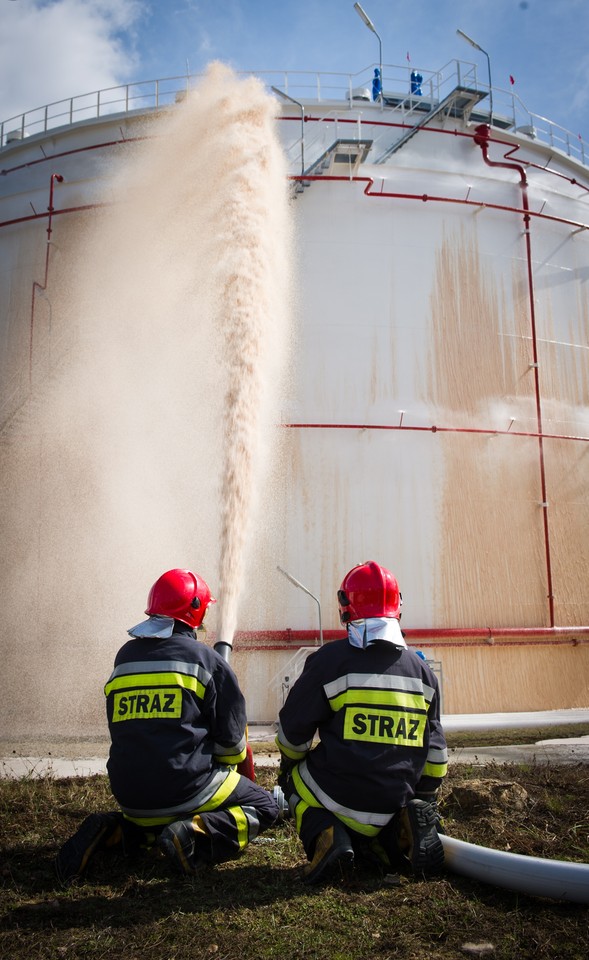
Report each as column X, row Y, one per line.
column 245, row 813
column 311, row 821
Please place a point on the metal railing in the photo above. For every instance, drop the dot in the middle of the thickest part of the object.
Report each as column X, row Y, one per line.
column 345, row 90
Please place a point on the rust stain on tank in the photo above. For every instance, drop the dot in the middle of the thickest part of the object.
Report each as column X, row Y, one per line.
column 491, row 543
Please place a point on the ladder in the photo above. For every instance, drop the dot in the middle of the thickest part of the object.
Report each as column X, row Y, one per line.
column 342, row 158
column 458, row 103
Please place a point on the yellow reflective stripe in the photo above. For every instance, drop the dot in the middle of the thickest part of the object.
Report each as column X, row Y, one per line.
column 383, row 698
column 303, row 790
column 289, row 752
column 438, row 770
column 308, row 800
column 156, row 680
column 241, row 824
column 219, row 797
column 151, row 821
column 285, row 745
column 366, row 829
column 232, row 758
column 300, row 808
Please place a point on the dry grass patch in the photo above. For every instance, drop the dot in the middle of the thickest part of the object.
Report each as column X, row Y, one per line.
column 256, row 908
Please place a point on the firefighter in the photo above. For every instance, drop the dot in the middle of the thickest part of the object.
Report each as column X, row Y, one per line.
column 370, row 783
column 177, row 723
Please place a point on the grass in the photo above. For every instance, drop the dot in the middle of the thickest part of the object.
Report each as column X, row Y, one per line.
column 512, row 737
column 257, row 908
column 487, row 738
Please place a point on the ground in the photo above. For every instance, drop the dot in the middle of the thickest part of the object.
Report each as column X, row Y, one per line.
column 256, row 907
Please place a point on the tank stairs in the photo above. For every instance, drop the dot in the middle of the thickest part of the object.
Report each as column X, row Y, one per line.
column 459, row 103
column 282, row 681
column 343, row 157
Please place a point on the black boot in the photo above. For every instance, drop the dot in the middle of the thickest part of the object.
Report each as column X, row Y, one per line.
column 187, row 845
column 416, row 835
column 332, row 848
column 99, row 829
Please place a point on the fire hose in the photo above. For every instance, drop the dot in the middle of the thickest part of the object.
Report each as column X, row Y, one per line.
column 246, row 767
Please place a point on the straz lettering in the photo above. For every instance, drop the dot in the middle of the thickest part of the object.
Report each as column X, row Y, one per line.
column 147, row 705
column 384, row 726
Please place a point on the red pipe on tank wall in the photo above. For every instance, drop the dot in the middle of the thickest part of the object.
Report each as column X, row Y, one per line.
column 55, row 177
column 482, row 139
column 428, row 636
column 433, row 198
column 489, row 431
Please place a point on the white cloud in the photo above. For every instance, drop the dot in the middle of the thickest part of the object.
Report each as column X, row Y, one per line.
column 54, row 49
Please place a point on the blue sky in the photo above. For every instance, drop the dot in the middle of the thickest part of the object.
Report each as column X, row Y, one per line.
column 54, row 49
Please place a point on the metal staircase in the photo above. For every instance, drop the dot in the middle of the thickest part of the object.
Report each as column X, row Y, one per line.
column 342, row 158
column 458, row 103
column 288, row 674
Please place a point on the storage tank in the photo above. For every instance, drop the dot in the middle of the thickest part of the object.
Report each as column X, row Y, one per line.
column 434, row 418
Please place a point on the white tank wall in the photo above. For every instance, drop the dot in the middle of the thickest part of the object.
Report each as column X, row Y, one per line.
column 409, row 312
column 423, row 308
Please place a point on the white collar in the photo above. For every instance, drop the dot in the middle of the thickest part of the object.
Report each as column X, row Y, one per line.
column 361, row 633
column 155, row 628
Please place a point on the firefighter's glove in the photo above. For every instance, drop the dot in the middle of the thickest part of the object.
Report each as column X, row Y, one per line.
column 286, row 766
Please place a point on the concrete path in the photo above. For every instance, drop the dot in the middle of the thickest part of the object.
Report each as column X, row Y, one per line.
column 68, row 758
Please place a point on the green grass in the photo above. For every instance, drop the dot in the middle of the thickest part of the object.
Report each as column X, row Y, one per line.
column 514, row 736
column 486, row 738
column 257, row 907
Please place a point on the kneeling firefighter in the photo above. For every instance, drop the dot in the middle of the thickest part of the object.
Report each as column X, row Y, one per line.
column 177, row 723
column 370, row 783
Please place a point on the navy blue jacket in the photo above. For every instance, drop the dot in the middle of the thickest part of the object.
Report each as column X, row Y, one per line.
column 377, row 715
column 177, row 721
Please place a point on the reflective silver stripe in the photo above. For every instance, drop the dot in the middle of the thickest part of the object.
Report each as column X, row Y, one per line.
column 435, row 755
column 162, row 666
column 253, row 822
column 376, row 681
column 196, row 801
column 223, row 750
column 361, row 816
column 297, row 747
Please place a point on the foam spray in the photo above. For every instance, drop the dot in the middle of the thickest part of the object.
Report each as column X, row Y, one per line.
column 251, row 272
column 155, row 431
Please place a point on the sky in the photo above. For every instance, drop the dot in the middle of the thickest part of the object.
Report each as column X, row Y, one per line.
column 56, row 49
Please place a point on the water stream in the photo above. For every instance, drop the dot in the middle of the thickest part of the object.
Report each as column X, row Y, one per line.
column 167, row 320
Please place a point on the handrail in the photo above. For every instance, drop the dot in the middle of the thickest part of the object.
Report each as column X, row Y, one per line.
column 317, row 87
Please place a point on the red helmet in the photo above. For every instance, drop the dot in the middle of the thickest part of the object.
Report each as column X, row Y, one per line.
column 180, row 594
column 368, row 591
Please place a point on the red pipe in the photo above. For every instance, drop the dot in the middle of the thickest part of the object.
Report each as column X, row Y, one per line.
column 42, row 286
column 433, row 429
column 482, row 139
column 42, row 216
column 425, row 197
column 538, row 166
column 69, row 153
column 440, row 636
